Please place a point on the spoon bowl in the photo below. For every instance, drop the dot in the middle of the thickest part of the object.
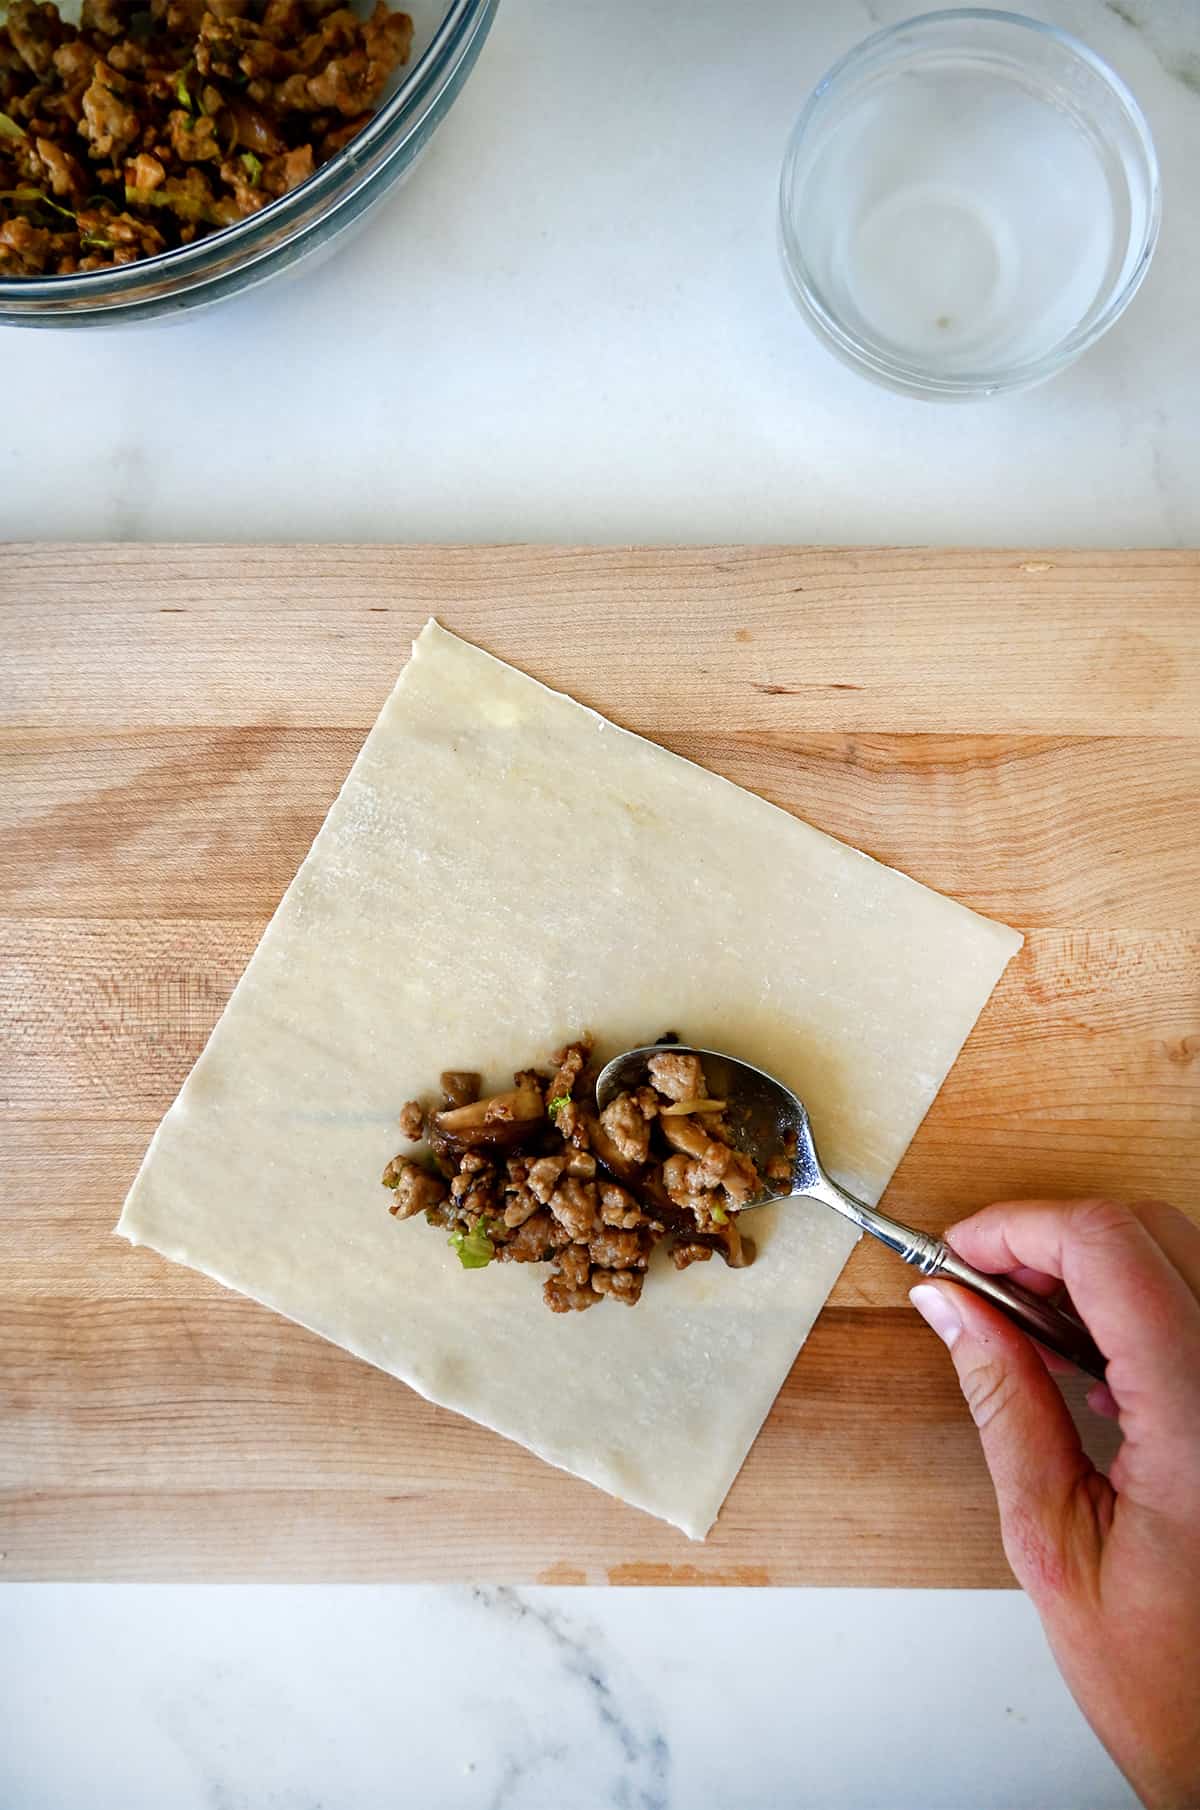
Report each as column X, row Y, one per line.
column 765, row 1120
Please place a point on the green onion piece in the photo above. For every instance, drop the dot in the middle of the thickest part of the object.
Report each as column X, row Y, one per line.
column 181, row 90
column 31, row 195
column 475, row 1249
column 187, row 207
column 557, row 1103
column 253, row 167
column 10, row 129
column 720, row 1215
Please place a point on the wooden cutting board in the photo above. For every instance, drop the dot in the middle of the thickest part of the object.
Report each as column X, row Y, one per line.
column 1020, row 730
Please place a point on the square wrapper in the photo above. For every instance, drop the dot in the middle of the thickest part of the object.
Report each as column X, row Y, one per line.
column 502, row 870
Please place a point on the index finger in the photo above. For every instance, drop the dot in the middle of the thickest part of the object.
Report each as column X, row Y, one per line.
column 1136, row 1304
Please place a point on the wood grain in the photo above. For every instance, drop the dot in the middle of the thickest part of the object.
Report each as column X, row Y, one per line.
column 121, row 825
column 1021, row 730
column 752, row 639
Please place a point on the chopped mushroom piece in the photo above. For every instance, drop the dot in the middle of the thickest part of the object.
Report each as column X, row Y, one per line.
column 687, row 1135
column 739, row 1252
column 461, row 1087
column 498, row 1123
column 712, row 1159
column 740, row 1179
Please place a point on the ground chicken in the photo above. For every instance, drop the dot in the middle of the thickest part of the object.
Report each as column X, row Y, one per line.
column 543, row 1176
column 412, row 1119
column 519, row 1207
column 619, row 1208
column 532, row 1242
column 110, row 124
column 574, row 1264
column 684, row 1254
column 574, row 1204
column 622, row 1285
column 569, row 1065
column 416, row 1190
column 625, row 1124
column 740, row 1179
column 561, row 1298
column 679, row 1077
column 614, row 1250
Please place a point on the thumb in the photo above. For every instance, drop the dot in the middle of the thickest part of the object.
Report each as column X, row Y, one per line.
column 1029, row 1440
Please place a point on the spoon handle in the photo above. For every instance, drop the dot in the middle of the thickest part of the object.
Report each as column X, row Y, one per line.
column 1052, row 1327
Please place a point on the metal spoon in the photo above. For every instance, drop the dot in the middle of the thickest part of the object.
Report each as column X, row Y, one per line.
column 764, row 1116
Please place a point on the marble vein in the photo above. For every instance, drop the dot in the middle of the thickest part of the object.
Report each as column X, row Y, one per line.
column 1179, row 60
column 634, row 1777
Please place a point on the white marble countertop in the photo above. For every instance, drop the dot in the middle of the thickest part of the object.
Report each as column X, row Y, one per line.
column 570, row 326
column 228, row 1698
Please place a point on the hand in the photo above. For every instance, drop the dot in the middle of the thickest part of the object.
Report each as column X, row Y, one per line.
column 1112, row 1563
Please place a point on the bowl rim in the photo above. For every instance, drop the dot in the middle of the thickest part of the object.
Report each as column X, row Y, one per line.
column 282, row 222
column 910, row 376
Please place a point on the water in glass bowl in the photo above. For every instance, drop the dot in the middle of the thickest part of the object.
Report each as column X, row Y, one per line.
column 954, row 218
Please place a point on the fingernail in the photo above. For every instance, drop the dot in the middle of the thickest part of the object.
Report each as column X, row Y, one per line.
column 1101, row 1400
column 937, row 1311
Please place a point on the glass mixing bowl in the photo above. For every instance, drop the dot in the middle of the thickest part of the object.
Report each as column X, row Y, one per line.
column 447, row 40
column 969, row 200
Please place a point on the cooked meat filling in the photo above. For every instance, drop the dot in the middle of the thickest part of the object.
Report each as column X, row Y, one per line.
column 412, row 1120
column 415, row 1190
column 678, row 1077
column 155, row 122
column 534, row 1175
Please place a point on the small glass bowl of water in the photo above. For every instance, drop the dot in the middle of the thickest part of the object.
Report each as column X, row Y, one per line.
column 968, row 202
